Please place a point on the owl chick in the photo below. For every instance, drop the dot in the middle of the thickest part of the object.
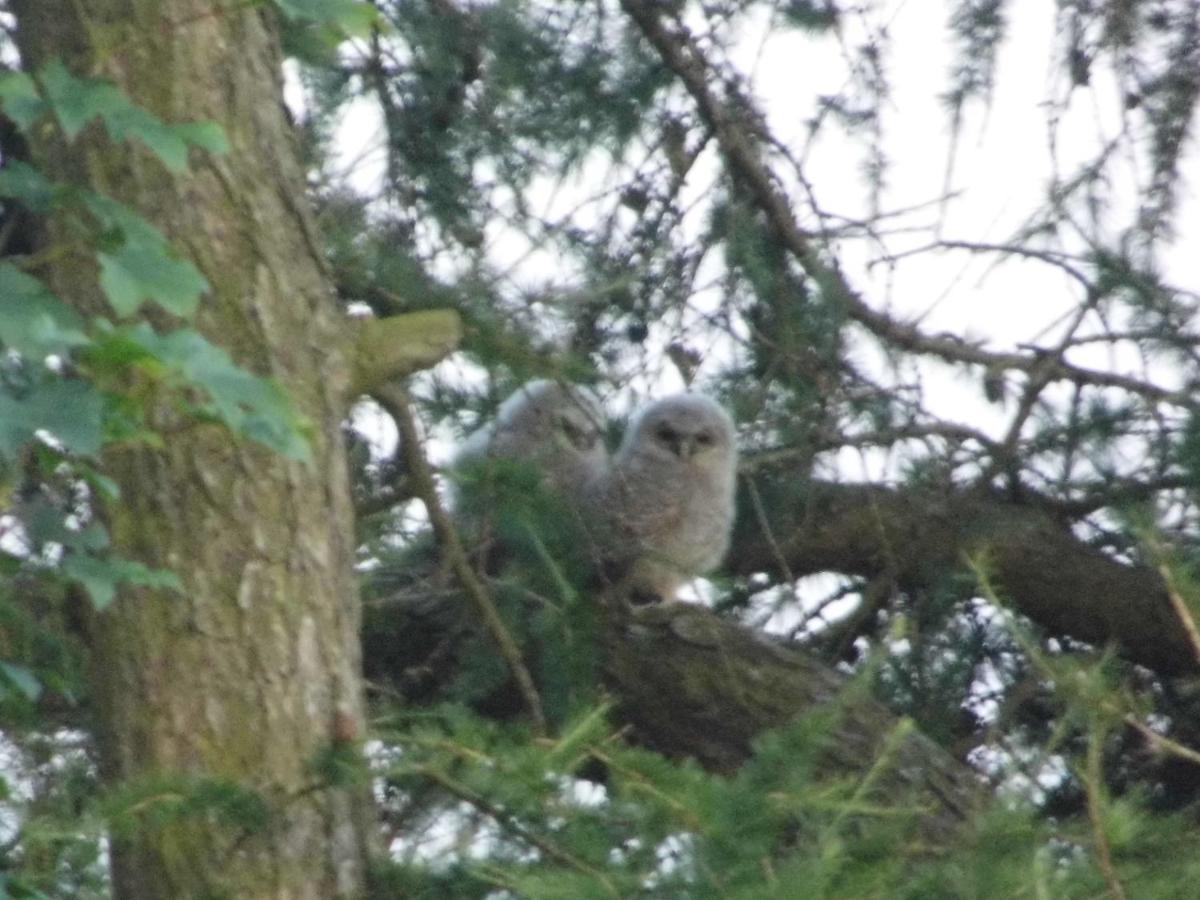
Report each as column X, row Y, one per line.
column 553, row 427
column 662, row 513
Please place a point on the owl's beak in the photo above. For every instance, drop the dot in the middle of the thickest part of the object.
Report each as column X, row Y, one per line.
column 686, row 448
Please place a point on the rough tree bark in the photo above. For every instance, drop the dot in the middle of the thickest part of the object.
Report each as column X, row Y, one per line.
column 255, row 669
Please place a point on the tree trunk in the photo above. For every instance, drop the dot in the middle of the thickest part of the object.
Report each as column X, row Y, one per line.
column 254, row 670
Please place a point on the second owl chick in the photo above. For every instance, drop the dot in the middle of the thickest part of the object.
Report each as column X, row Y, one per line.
column 662, row 513
column 556, row 428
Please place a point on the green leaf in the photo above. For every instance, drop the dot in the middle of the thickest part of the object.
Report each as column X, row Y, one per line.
column 23, row 182
column 33, row 321
column 104, row 485
column 77, row 101
column 71, row 411
column 94, row 537
column 20, row 98
column 45, row 524
column 247, row 404
column 100, row 576
column 143, row 267
column 163, row 140
column 206, row 135
column 15, row 888
column 22, row 679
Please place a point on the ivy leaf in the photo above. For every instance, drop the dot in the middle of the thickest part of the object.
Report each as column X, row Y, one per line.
column 100, row 576
column 142, row 267
column 206, row 135
column 77, row 101
column 71, row 412
column 33, row 321
column 22, row 679
column 163, row 140
column 21, row 100
column 247, row 404
column 104, row 485
column 23, row 182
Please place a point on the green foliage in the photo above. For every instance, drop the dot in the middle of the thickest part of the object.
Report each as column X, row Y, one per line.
column 499, row 120
column 101, row 575
column 70, row 410
column 978, row 27
column 34, row 322
column 811, row 15
column 353, row 17
column 585, row 816
column 182, row 360
column 20, row 679
column 75, row 102
column 57, row 852
column 490, row 109
column 314, row 29
column 86, row 557
column 538, row 555
column 158, row 803
column 136, row 263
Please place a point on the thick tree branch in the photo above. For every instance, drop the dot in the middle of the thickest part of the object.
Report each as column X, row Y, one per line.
column 690, row 685
column 925, row 536
column 693, row 685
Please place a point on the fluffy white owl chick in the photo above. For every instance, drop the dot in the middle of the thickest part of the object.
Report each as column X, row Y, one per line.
column 557, row 428
column 663, row 512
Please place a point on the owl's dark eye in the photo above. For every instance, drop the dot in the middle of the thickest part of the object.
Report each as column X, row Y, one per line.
column 704, row 439
column 575, row 433
column 667, row 433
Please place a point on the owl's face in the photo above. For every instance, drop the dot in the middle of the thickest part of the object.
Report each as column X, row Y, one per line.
column 555, row 427
column 691, row 429
column 567, row 418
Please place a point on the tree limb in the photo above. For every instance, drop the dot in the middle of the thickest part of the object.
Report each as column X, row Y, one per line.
column 924, row 536
column 691, row 685
column 694, row 685
column 395, row 346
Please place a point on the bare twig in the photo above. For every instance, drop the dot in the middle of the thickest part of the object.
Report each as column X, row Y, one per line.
column 1180, row 606
column 1162, row 743
column 1094, row 782
column 393, row 398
